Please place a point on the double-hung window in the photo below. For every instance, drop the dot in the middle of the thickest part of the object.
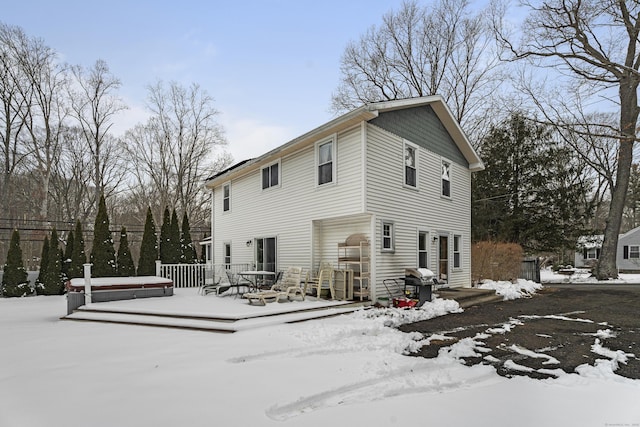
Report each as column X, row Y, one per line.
column 446, row 179
column 271, row 176
column 457, row 247
column 325, row 156
column 634, row 252
column 226, row 197
column 227, row 255
column 410, row 165
column 423, row 249
column 388, row 243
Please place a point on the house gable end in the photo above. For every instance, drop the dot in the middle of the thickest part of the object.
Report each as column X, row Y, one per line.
column 421, row 126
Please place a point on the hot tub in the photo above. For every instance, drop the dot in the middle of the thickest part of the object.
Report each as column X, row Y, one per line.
column 104, row 289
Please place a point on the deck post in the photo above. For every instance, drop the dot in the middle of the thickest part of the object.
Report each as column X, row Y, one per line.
column 87, row 283
column 158, row 268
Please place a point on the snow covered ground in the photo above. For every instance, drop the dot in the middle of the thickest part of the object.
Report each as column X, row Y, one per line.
column 351, row 369
column 585, row 277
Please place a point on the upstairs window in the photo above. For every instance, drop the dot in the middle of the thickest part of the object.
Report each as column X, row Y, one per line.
column 325, row 162
column 271, row 176
column 446, row 179
column 410, row 165
column 226, row 197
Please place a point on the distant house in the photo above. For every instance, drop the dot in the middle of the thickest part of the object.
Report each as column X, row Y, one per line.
column 397, row 173
column 628, row 252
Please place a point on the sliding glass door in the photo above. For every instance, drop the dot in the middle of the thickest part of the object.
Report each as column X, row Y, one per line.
column 266, row 254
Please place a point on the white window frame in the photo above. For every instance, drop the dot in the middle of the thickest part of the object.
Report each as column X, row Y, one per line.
column 634, row 252
column 592, row 253
column 457, row 251
column 448, row 163
column 333, row 141
column 226, row 198
column 390, row 236
column 427, row 241
column 279, row 175
column 226, row 259
column 416, row 155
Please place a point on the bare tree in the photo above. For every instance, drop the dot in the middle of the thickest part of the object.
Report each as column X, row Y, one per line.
column 72, row 189
column 596, row 43
column 416, row 51
column 42, row 113
column 11, row 143
column 173, row 151
column 94, row 104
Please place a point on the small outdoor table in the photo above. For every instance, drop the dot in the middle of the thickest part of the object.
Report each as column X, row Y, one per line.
column 253, row 276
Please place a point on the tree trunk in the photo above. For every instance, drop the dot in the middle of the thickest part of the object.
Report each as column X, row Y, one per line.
column 607, row 267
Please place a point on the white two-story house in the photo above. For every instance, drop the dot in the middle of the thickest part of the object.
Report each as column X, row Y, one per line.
column 396, row 172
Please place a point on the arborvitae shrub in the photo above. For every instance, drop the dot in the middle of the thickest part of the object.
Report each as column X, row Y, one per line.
column 15, row 282
column 148, row 248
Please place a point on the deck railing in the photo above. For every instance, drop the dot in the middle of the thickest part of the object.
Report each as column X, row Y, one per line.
column 195, row 275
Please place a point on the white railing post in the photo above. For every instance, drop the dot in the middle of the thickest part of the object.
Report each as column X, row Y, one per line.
column 87, row 283
column 158, row 268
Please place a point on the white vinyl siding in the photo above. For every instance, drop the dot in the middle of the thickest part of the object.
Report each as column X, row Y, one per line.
column 430, row 211
column 288, row 214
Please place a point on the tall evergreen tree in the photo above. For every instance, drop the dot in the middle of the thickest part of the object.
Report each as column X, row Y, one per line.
column 103, row 254
column 78, row 256
column 174, row 239
column 187, row 250
column 531, row 191
column 165, row 238
column 53, row 283
column 68, row 253
column 44, row 264
column 125, row 261
column 15, row 281
column 148, row 248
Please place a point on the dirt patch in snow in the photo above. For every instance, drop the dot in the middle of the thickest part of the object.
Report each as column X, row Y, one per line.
column 558, row 328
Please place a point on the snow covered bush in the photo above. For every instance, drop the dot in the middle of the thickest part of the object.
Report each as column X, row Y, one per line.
column 14, row 280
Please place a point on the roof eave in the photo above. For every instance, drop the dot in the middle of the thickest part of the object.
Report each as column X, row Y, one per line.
column 336, row 125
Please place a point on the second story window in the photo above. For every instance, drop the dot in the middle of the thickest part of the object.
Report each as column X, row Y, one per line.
column 226, row 197
column 410, row 165
column 325, row 162
column 271, row 176
column 446, row 179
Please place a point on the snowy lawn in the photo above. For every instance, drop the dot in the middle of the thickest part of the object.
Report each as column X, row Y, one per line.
column 350, row 369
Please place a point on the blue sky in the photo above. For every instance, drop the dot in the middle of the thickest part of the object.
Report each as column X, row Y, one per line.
column 270, row 65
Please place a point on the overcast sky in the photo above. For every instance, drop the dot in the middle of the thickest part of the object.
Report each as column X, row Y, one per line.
column 270, row 65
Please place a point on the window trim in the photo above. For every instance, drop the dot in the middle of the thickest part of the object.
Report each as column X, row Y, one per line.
column 635, row 251
column 590, row 251
column 457, row 251
column 226, row 198
column 427, row 240
column 391, row 236
column 226, row 245
column 334, row 165
column 416, row 154
column 279, row 176
column 444, row 161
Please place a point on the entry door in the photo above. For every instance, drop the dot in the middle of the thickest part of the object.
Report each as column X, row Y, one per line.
column 266, row 254
column 443, row 258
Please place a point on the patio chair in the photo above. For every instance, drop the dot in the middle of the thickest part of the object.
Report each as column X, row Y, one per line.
column 210, row 286
column 324, row 280
column 288, row 286
column 235, row 281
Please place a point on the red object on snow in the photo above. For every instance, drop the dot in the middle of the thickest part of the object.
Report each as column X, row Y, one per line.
column 404, row 302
